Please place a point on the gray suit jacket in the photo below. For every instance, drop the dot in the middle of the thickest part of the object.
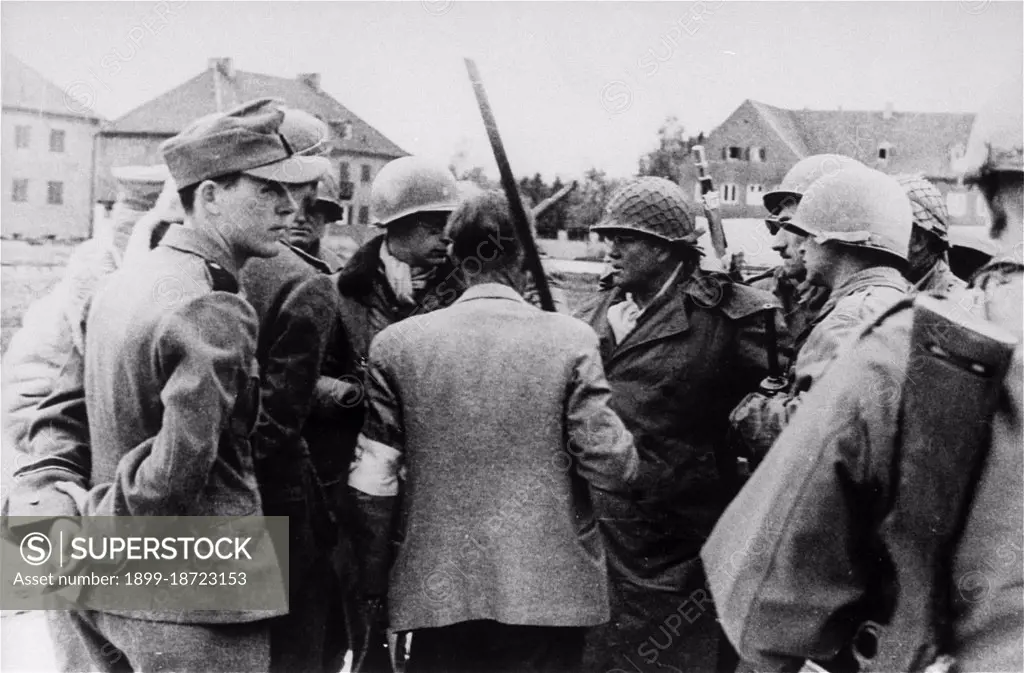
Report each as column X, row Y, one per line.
column 498, row 413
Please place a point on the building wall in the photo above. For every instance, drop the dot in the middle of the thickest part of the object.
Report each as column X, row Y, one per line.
column 114, row 151
column 36, row 217
column 360, row 187
column 744, row 129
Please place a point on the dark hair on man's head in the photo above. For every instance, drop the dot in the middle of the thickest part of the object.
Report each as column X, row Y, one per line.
column 188, row 194
column 481, row 229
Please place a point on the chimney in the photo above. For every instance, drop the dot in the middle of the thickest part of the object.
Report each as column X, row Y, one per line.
column 887, row 114
column 310, row 79
column 222, row 65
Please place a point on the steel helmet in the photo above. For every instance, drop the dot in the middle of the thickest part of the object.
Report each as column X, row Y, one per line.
column 863, row 208
column 653, row 206
column 929, row 208
column 327, row 200
column 412, row 185
column 802, row 175
column 996, row 143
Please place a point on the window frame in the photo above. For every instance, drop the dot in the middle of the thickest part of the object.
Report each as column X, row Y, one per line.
column 15, row 191
column 59, row 191
column 725, row 193
column 22, row 136
column 62, row 134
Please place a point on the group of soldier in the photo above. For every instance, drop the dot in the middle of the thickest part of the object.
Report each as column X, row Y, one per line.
column 693, row 473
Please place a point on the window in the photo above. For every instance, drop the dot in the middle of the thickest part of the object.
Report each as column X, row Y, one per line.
column 19, row 190
column 735, row 153
column 957, row 203
column 341, row 129
column 366, row 173
column 980, row 207
column 343, row 171
column 364, row 213
column 346, row 213
column 755, row 194
column 884, row 151
column 762, row 154
column 729, row 193
column 55, row 193
column 56, row 141
column 755, row 154
column 22, row 136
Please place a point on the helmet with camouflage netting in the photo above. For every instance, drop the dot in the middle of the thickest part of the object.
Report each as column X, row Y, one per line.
column 652, row 206
column 928, row 205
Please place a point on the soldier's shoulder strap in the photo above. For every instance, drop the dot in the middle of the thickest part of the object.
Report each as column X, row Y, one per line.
column 954, row 375
column 222, row 279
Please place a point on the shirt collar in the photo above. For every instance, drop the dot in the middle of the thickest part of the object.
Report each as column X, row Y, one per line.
column 187, row 239
column 490, row 291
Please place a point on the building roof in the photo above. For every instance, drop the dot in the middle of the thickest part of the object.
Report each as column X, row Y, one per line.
column 24, row 88
column 170, row 112
column 918, row 141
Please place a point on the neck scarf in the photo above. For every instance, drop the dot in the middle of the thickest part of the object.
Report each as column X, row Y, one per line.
column 404, row 279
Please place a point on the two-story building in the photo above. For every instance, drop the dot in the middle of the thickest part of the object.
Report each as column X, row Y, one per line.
column 47, row 157
column 356, row 149
column 751, row 151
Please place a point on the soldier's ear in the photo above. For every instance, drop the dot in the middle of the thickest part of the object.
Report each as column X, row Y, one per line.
column 207, row 197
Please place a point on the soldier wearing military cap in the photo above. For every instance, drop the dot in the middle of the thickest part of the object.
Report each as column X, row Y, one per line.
column 928, row 261
column 297, row 305
column 169, row 377
column 680, row 346
column 854, row 232
column 888, row 516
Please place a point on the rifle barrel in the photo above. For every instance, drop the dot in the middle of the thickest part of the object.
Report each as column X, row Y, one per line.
column 548, row 203
column 508, row 183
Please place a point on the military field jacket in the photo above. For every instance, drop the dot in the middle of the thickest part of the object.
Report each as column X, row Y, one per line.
column 797, row 561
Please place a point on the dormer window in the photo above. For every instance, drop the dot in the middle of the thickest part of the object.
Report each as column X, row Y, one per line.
column 342, row 129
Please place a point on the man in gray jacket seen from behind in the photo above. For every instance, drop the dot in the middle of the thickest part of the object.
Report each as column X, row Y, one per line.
column 498, row 414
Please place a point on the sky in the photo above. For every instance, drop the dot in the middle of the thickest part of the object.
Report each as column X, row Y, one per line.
column 574, row 85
